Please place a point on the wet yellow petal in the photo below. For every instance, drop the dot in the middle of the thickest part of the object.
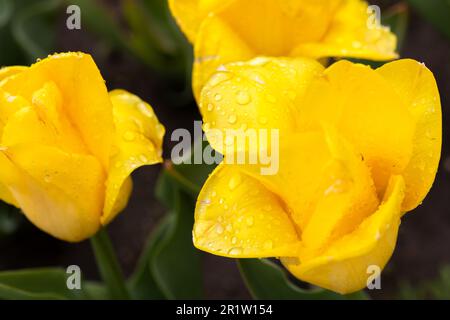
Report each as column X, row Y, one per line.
column 416, row 86
column 7, row 72
column 325, row 184
column 256, row 94
column 82, row 88
column 138, row 142
column 189, row 14
column 216, row 44
column 352, row 33
column 367, row 111
column 343, row 267
column 9, row 105
column 306, row 28
column 237, row 217
column 41, row 122
column 60, row 193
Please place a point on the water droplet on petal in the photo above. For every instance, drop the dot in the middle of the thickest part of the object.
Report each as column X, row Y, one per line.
column 232, row 119
column 218, row 97
column 234, row 240
column 210, row 107
column 235, row 251
column 250, row 221
column 243, row 98
column 219, row 228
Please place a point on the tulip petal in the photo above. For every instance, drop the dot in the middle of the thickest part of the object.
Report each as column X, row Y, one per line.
column 237, row 217
column 216, row 44
column 367, row 112
column 83, row 91
column 416, row 86
column 325, row 184
column 352, row 33
column 253, row 95
column 7, row 72
column 60, row 193
column 41, row 122
column 343, row 267
column 138, row 142
column 189, row 14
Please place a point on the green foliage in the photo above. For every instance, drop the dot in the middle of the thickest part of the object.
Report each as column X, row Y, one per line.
column 438, row 288
column 150, row 32
column 437, row 12
column 45, row 283
column 27, row 30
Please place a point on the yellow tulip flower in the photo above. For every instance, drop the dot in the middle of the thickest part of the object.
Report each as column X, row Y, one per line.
column 358, row 148
column 224, row 31
column 68, row 147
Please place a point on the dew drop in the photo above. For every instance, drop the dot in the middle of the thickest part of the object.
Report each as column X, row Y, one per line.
column 243, row 98
column 232, row 119
column 210, row 107
column 218, row 97
column 219, row 228
column 250, row 221
column 234, row 240
column 235, row 251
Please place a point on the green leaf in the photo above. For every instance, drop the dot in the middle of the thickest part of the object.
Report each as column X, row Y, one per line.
column 176, row 265
column 45, row 283
column 437, row 12
column 142, row 285
column 397, row 18
column 6, row 10
column 99, row 20
column 33, row 28
column 10, row 219
column 265, row 280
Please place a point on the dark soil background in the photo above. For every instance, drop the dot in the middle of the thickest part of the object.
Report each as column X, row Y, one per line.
column 424, row 238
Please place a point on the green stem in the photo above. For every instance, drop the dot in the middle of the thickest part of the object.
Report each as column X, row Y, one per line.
column 108, row 265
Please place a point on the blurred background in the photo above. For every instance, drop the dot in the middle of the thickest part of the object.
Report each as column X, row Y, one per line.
column 138, row 47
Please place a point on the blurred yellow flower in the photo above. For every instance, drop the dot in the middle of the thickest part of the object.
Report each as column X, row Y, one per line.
column 358, row 149
column 67, row 147
column 224, row 31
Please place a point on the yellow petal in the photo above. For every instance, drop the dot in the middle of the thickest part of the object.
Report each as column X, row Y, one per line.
column 83, row 90
column 138, row 142
column 9, row 105
column 416, row 86
column 367, row 111
column 305, row 28
column 216, row 44
column 254, row 95
column 7, row 72
column 237, row 217
column 324, row 183
column 189, row 14
column 42, row 122
column 343, row 267
column 60, row 193
column 352, row 33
